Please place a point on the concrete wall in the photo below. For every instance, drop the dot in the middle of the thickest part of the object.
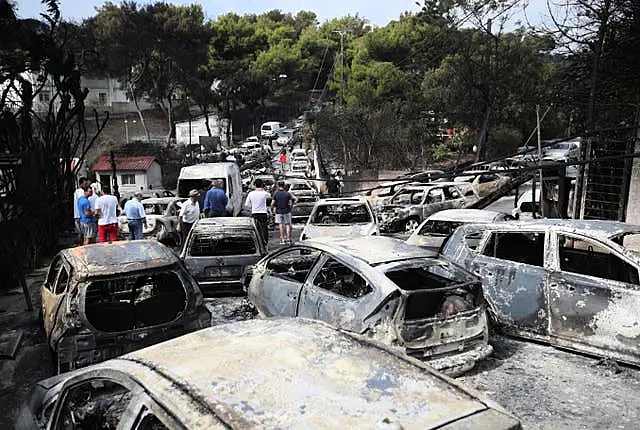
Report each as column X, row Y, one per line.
column 198, row 128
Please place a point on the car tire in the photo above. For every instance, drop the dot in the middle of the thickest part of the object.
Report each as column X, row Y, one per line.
column 411, row 225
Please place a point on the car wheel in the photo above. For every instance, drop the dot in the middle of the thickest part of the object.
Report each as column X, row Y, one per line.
column 411, row 225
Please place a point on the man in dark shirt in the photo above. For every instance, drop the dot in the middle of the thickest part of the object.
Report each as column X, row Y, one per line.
column 282, row 202
column 333, row 186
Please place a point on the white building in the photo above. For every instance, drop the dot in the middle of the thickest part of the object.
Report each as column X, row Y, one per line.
column 196, row 128
column 133, row 173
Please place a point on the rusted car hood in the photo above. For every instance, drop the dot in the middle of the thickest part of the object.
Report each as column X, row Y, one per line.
column 311, row 376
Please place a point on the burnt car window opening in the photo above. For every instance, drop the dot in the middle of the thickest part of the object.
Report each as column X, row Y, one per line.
column 451, row 193
column 588, row 258
column 209, row 245
column 62, row 280
column 99, row 403
column 151, row 422
column 154, row 209
column 405, row 197
column 341, row 214
column 145, row 300
column 293, row 265
column 439, row 228
column 434, row 293
column 298, row 187
column 339, row 279
column 472, row 240
column 52, row 274
column 526, row 248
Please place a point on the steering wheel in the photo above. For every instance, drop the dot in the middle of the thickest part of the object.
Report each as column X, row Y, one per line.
column 328, row 219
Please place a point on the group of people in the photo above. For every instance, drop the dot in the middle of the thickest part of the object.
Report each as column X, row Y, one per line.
column 96, row 216
column 214, row 204
column 281, row 202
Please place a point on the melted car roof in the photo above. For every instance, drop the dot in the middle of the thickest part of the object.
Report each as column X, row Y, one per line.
column 372, row 249
column 297, row 373
column 101, row 259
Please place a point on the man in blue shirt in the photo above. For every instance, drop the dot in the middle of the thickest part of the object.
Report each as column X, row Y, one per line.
column 87, row 219
column 136, row 216
column 215, row 202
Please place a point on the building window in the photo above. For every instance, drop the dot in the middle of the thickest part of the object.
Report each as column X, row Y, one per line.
column 102, row 98
column 44, row 97
column 128, row 179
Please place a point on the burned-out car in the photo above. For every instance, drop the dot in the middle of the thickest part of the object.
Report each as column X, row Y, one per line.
column 400, row 294
column 341, row 217
column 271, row 374
column 574, row 284
column 218, row 250
column 162, row 218
column 103, row 300
column 436, row 229
column 413, row 203
column 307, row 196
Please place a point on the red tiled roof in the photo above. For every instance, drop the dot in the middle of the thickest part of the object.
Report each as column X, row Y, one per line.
column 123, row 163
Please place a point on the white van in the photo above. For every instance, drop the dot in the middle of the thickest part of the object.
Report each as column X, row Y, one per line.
column 270, row 129
column 200, row 177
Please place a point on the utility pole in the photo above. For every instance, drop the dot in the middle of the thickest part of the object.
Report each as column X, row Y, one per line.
column 542, row 205
column 341, row 33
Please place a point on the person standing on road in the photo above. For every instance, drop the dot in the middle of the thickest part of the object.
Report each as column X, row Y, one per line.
column 136, row 217
column 282, row 202
column 257, row 202
column 189, row 214
column 283, row 157
column 332, row 187
column 87, row 219
column 215, row 202
column 107, row 213
column 77, row 195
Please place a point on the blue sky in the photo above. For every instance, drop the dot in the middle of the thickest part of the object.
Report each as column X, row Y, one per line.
column 378, row 12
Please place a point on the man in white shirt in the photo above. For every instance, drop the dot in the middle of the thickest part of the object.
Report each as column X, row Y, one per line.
column 106, row 208
column 189, row 213
column 78, row 194
column 257, row 202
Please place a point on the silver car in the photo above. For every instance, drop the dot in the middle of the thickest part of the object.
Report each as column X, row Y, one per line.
column 571, row 283
column 341, row 217
column 277, row 374
column 413, row 203
column 217, row 252
column 401, row 295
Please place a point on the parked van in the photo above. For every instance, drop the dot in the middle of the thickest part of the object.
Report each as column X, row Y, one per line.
column 200, row 177
column 270, row 129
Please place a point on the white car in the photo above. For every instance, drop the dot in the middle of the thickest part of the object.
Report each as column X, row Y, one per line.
column 343, row 217
column 299, row 155
column 162, row 217
column 299, row 168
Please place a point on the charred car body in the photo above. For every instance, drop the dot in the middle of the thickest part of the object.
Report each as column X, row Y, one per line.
column 341, row 217
column 401, row 294
column 574, row 284
column 232, row 376
column 413, row 203
column 162, row 217
column 103, row 300
column 435, row 230
column 219, row 250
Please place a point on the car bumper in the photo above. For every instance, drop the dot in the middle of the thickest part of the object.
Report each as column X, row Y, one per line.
column 456, row 363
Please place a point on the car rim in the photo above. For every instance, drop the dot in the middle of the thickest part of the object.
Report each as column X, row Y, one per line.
column 411, row 225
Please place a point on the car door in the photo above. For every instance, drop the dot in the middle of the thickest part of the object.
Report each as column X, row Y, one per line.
column 54, row 292
column 433, row 202
column 512, row 267
column 337, row 295
column 281, row 281
column 594, row 296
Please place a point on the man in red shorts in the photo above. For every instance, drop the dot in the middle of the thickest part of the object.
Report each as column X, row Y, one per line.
column 107, row 212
